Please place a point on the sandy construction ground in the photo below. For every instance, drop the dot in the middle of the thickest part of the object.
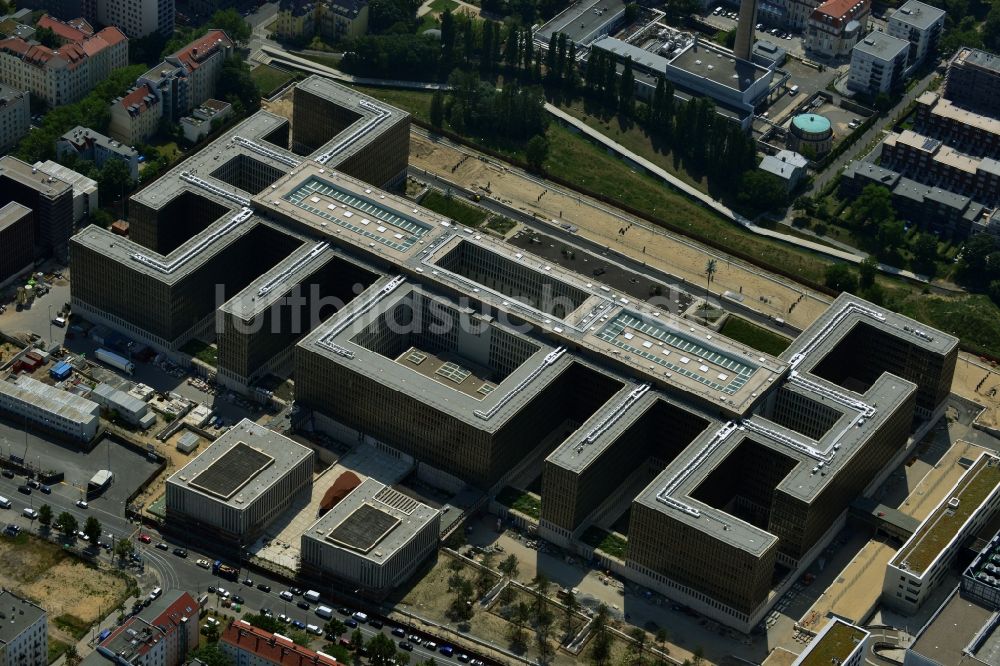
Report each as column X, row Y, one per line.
column 978, row 381
column 680, row 257
column 62, row 585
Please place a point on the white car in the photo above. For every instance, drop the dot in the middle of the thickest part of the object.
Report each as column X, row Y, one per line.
column 204, row 564
column 222, row 592
column 81, row 504
column 83, row 536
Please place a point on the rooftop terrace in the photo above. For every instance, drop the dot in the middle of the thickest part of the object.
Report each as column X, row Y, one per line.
column 978, row 484
column 837, row 642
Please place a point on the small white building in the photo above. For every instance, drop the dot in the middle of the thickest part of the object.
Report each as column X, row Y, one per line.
column 375, row 538
column 921, row 25
column 238, row 485
column 85, row 195
column 128, row 407
column 24, row 638
column 914, row 572
column 878, row 63
column 787, row 165
column 50, row 408
column 199, row 124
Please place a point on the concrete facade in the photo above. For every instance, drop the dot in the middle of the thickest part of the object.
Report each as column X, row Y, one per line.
column 49, row 408
column 15, row 115
column 24, row 638
column 921, row 25
column 877, row 64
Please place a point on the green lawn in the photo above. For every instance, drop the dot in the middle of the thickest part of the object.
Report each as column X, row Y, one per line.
column 56, row 649
column 269, row 79
column 443, row 5
column 755, row 336
column 328, row 60
column 201, row 351
column 501, row 224
column 72, row 625
column 612, row 544
column 454, row 208
column 519, row 500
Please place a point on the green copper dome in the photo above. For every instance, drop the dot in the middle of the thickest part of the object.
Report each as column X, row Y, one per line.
column 810, row 122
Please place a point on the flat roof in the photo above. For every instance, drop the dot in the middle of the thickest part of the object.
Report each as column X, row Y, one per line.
column 24, row 173
column 11, row 213
column 881, row 45
column 581, row 20
column 917, row 14
column 945, row 108
column 834, row 644
column 373, row 521
column 56, row 401
column 951, row 630
column 978, row 58
column 241, row 464
column 948, row 519
column 14, row 623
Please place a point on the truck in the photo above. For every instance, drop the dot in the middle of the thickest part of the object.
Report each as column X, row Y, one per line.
column 115, row 361
column 99, row 482
column 225, row 571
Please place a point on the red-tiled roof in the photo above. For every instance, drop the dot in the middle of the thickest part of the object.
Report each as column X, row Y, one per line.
column 184, row 606
column 192, row 54
column 112, row 36
column 272, row 647
column 14, row 45
column 137, row 97
column 837, row 12
column 63, row 30
column 82, row 25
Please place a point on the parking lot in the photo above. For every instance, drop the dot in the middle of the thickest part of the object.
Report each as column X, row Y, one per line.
column 726, row 20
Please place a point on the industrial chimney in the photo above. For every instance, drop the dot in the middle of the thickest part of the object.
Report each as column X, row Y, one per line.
column 745, row 29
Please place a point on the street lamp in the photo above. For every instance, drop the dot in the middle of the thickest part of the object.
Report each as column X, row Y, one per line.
column 50, row 327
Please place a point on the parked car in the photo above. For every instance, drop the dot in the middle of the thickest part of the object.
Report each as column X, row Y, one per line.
column 9, row 473
column 24, row 490
column 248, row 582
column 145, row 538
column 286, row 595
column 180, row 552
column 304, row 605
column 237, row 599
column 398, row 632
column 162, row 546
column 298, row 624
column 83, row 505
column 263, row 588
column 351, row 622
column 203, row 563
column 403, row 645
column 46, row 489
column 296, row 591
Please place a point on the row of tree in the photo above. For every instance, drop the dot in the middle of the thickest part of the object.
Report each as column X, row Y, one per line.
column 67, row 524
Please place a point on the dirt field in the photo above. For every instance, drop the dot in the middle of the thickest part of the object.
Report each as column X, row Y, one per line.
column 74, row 593
column 687, row 259
column 978, row 381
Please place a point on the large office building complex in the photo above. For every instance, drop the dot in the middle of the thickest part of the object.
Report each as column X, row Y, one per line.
column 374, row 538
column 477, row 359
column 24, row 637
column 239, row 484
column 17, row 241
column 49, row 198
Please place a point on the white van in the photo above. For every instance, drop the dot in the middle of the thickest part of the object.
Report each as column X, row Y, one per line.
column 314, row 629
column 312, row 596
column 324, row 612
column 157, row 591
column 793, row 91
column 30, row 513
column 4, row 503
column 360, row 617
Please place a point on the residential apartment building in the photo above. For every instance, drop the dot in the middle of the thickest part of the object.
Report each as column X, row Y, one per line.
column 137, row 18
column 15, row 115
column 51, row 409
column 921, row 25
column 17, row 241
column 931, row 208
column 792, row 14
column 917, row 568
column 247, row 645
column 50, row 198
column 90, row 145
column 835, row 26
column 973, row 81
column 960, row 128
column 24, row 638
column 162, row 634
column 85, row 193
column 931, row 162
column 204, row 118
column 170, row 90
column 877, row 63
column 333, row 20
column 66, row 74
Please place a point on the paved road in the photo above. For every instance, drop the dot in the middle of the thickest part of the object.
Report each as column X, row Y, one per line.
column 823, row 178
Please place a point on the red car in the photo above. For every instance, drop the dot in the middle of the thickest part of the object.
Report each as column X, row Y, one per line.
column 145, row 538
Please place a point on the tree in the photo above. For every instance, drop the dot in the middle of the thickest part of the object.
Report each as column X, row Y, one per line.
column 760, row 191
column 212, row 655
column 711, row 267
column 300, row 637
column 571, row 606
column 47, row 37
column 840, row 278
column 123, row 549
column 92, row 528
column 265, row 622
column 236, row 84
column 677, row 10
column 339, row 652
column 537, row 151
column 381, row 650
column 45, row 515
column 210, row 632
column 993, row 291
column 461, row 606
column 235, row 25
column 447, row 42
column 925, row 254
column 867, row 270
column 335, row 627
column 991, row 29
column 872, row 207
column 626, row 90
column 890, row 236
column 662, row 636
column 357, row 640
column 509, row 566
column 541, row 585
column 437, row 109
column 600, row 651
column 638, row 644
column 67, row 524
